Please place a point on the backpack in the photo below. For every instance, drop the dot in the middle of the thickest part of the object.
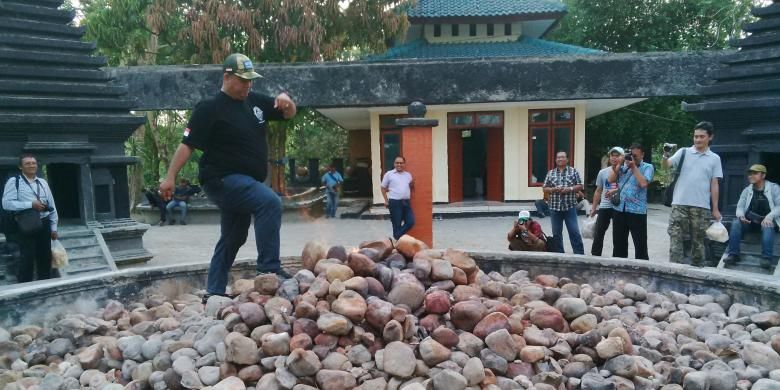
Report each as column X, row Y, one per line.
column 7, row 222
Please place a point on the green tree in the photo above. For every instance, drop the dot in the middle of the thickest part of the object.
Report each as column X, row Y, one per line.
column 143, row 32
column 642, row 26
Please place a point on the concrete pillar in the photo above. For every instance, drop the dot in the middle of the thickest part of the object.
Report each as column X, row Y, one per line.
column 417, row 147
column 87, row 190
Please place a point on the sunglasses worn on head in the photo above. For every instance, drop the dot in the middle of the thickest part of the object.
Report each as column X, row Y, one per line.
column 521, row 221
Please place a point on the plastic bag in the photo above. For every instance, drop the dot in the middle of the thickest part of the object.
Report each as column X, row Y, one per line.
column 589, row 228
column 717, row 232
column 59, row 257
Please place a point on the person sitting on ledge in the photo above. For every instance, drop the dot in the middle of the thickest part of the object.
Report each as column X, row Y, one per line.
column 526, row 235
column 758, row 209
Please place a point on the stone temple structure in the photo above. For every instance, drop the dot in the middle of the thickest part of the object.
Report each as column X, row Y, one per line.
column 57, row 103
column 742, row 99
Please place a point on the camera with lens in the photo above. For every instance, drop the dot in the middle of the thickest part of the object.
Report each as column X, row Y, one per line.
column 668, row 147
column 629, row 156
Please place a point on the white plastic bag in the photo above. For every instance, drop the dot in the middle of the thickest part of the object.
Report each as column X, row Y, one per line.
column 589, row 228
column 59, row 257
column 717, row 232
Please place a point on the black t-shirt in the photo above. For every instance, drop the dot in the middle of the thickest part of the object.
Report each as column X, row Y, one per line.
column 232, row 135
column 759, row 204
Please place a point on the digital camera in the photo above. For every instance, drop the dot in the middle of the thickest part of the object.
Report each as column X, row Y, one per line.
column 668, row 147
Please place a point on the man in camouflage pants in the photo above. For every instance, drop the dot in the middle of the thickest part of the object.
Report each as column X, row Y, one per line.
column 696, row 193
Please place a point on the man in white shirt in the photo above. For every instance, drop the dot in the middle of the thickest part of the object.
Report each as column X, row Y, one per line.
column 397, row 187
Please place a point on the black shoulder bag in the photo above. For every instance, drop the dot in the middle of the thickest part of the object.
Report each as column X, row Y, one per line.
column 669, row 193
column 29, row 220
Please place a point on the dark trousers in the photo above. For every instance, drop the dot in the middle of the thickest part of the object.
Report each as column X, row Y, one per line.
column 603, row 217
column 156, row 201
column 35, row 254
column 401, row 216
column 624, row 223
column 240, row 198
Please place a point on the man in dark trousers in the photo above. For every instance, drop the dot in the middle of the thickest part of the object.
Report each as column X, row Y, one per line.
column 397, row 185
column 230, row 128
column 630, row 214
column 602, row 206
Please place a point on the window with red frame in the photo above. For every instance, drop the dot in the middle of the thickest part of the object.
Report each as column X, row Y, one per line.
column 549, row 131
column 389, row 140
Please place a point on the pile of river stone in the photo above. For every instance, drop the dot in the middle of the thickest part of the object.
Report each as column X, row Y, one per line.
column 403, row 317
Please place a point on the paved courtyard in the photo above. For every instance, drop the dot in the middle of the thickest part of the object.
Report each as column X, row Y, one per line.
column 193, row 243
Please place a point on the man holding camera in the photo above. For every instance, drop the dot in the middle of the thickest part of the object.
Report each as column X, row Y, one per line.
column 526, row 235
column 602, row 207
column 562, row 184
column 699, row 193
column 630, row 206
column 758, row 210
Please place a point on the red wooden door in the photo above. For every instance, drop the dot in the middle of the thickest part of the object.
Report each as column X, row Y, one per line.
column 495, row 165
column 455, row 165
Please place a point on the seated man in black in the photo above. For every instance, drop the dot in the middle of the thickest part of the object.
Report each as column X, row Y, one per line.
column 153, row 196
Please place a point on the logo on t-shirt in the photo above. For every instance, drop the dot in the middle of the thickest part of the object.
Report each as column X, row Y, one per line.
column 258, row 114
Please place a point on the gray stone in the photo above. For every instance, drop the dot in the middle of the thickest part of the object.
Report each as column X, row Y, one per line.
column 765, row 384
column 209, row 375
column 208, row 343
column 474, row 371
column 719, row 375
column 493, row 361
column 131, row 347
column 594, row 381
column 449, row 380
column 190, row 380
column 398, row 359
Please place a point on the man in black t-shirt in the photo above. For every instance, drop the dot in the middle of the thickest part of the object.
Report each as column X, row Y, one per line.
column 758, row 209
column 230, row 129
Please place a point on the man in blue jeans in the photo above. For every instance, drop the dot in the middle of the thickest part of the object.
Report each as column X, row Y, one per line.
column 562, row 184
column 230, row 128
column 758, row 209
column 397, row 186
column 332, row 180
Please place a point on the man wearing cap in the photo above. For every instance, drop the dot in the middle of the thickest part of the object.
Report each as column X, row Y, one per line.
column 230, row 129
column 601, row 200
column 526, row 234
column 630, row 214
column 758, row 210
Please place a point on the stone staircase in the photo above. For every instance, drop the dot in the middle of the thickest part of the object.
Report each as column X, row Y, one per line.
column 87, row 251
column 750, row 258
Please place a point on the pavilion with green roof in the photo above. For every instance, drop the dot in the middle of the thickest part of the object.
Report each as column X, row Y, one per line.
column 483, row 150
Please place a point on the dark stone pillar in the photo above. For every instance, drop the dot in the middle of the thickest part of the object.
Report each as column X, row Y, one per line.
column 87, row 199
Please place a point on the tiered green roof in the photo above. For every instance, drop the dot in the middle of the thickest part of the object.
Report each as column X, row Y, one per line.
column 524, row 47
column 482, row 8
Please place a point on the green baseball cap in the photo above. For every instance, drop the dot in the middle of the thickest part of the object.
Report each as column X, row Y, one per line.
column 757, row 168
column 241, row 66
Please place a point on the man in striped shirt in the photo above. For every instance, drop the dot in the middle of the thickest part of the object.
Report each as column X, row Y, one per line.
column 562, row 184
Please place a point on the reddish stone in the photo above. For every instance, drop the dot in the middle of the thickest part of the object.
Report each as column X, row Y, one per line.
column 547, row 280
column 345, row 341
column 459, row 276
column 430, row 322
column 548, row 317
column 361, row 264
column 502, row 308
column 379, row 312
column 464, row 293
column 521, row 368
column 409, row 246
column 302, row 341
column 337, row 252
column 375, row 287
column 491, row 323
column 384, row 247
column 250, row 374
column 327, row 340
column 465, row 315
column 461, row 260
column 445, row 336
column 305, row 310
column 438, row 302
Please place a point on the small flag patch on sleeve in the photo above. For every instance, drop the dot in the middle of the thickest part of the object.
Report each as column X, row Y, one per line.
column 187, row 132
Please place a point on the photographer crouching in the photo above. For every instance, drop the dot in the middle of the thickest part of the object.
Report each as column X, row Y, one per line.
column 527, row 235
column 30, row 200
